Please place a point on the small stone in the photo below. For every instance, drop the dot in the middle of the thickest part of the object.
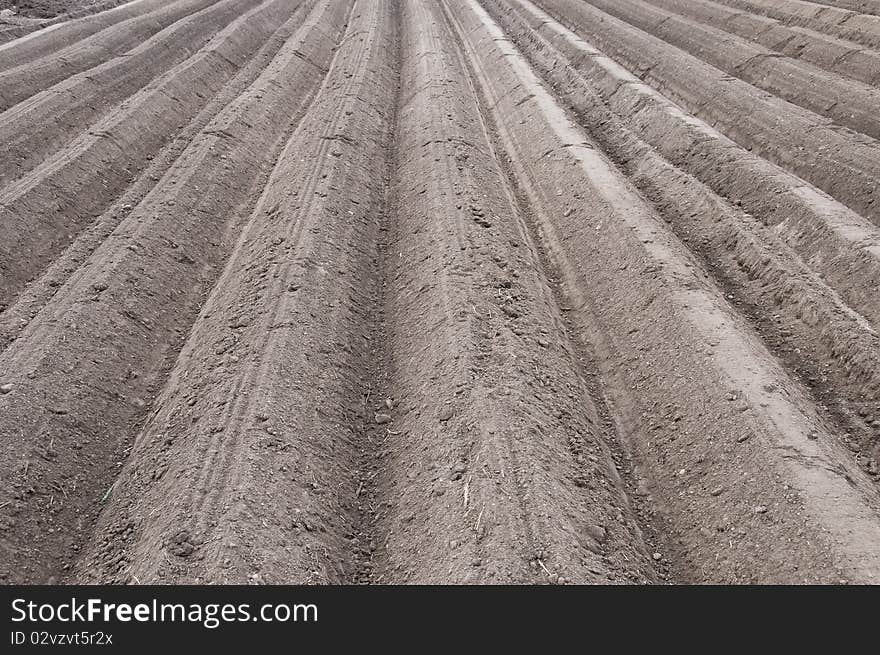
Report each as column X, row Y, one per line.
column 382, row 418
column 593, row 547
column 100, row 286
column 510, row 311
column 476, row 562
column 598, row 533
column 743, row 437
column 657, row 557
column 445, row 414
column 181, row 544
column 389, row 403
column 717, row 491
column 6, row 388
column 761, row 509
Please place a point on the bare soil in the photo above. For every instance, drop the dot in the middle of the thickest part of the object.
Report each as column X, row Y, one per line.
column 53, row 8
column 470, row 291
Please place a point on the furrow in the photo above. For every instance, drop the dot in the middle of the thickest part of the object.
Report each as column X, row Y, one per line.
column 87, row 366
column 22, row 81
column 861, row 6
column 733, row 452
column 261, row 416
column 793, row 274
column 492, row 465
column 51, row 204
column 15, row 319
column 45, row 124
column 833, row 54
column 838, row 22
column 54, row 37
column 440, row 292
column 798, row 82
column 841, row 163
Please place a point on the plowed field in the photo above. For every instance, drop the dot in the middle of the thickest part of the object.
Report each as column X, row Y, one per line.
column 441, row 291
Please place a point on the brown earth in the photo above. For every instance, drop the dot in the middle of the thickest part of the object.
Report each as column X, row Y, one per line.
column 470, row 291
column 19, row 18
column 53, row 8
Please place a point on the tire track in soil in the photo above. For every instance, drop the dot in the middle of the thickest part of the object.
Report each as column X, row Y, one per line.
column 138, row 295
column 708, row 406
column 234, row 481
column 489, row 464
column 255, row 479
column 648, row 528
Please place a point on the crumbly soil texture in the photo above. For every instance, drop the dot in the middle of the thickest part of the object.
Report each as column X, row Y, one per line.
column 453, row 291
column 53, row 8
